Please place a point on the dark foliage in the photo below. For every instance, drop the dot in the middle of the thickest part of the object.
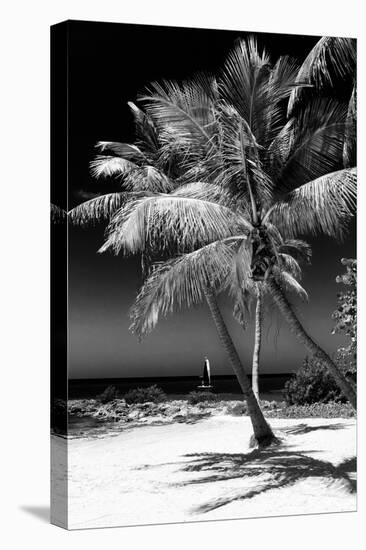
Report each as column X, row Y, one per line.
column 110, row 394
column 195, row 397
column 311, row 384
column 152, row 394
column 346, row 316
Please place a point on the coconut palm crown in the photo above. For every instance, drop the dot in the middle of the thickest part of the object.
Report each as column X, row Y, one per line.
column 249, row 175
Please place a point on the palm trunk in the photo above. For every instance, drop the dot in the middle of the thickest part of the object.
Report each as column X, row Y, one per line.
column 313, row 348
column 257, row 345
column 262, row 430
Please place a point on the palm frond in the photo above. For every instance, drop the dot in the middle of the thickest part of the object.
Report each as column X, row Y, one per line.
column 299, row 249
column 258, row 89
column 310, row 145
column 242, row 308
column 323, row 205
column 244, row 81
column 240, row 274
column 289, row 264
column 289, row 283
column 350, row 141
column 145, row 130
column 273, row 233
column 184, row 111
column 185, row 117
column 181, row 282
column 99, row 208
column 331, row 58
column 58, row 215
column 148, row 178
column 211, row 192
column 110, row 166
column 166, row 222
column 124, row 150
column 242, row 169
column 282, row 79
column 239, row 283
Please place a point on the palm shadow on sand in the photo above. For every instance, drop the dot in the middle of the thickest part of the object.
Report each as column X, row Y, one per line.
column 275, row 467
column 302, row 429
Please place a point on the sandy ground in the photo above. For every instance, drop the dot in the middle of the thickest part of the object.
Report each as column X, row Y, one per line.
column 206, row 471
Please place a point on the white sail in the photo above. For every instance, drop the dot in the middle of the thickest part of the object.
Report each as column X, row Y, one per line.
column 208, row 371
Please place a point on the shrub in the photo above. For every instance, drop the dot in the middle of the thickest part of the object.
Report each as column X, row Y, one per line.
column 269, row 405
column 110, row 394
column 311, row 384
column 315, row 410
column 345, row 317
column 195, row 397
column 152, row 394
column 238, row 409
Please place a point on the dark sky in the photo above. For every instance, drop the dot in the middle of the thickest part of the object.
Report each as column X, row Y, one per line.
column 109, row 64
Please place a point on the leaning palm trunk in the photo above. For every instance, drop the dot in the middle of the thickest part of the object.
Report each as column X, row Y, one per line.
column 313, row 348
column 257, row 345
column 262, row 431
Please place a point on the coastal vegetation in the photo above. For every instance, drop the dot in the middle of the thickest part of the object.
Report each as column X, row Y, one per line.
column 152, row 394
column 121, row 414
column 195, row 397
column 345, row 317
column 311, row 383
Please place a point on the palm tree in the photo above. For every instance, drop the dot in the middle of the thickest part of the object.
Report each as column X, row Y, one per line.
column 283, row 176
column 101, row 208
column 132, row 165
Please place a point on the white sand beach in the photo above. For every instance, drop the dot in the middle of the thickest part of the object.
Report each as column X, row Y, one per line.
column 206, row 470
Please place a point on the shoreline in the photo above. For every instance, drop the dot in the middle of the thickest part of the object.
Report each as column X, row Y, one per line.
column 90, row 417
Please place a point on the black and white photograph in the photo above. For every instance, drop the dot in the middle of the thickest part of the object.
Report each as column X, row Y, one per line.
column 203, row 274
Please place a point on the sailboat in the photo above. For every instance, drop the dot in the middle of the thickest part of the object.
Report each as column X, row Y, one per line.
column 206, row 377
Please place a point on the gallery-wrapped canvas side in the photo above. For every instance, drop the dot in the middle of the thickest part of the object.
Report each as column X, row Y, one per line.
column 59, row 272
